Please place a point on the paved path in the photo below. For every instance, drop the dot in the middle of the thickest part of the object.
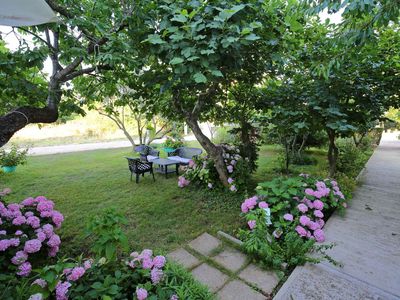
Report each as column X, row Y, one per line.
column 88, row 146
column 226, row 271
column 368, row 239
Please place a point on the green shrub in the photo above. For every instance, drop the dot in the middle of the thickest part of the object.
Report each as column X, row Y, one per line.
column 109, row 239
column 351, row 158
column 224, row 136
column 286, row 219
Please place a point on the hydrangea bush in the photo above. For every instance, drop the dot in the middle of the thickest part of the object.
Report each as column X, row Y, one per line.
column 285, row 220
column 202, row 171
column 28, row 234
column 140, row 276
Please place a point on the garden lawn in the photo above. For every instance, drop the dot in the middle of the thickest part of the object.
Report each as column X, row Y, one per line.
column 160, row 215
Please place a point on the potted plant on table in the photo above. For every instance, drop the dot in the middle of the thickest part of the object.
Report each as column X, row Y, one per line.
column 172, row 144
column 9, row 160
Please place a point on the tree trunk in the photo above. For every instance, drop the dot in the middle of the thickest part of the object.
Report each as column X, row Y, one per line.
column 22, row 116
column 214, row 151
column 333, row 152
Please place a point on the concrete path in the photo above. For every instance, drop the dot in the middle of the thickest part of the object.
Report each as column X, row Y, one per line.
column 225, row 270
column 46, row 150
column 367, row 238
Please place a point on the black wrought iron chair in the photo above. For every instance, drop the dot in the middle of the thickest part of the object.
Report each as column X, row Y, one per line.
column 138, row 167
column 147, row 153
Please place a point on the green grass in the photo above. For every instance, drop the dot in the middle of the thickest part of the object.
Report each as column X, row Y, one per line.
column 160, row 215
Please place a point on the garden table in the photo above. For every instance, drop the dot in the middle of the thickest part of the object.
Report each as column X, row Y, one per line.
column 163, row 164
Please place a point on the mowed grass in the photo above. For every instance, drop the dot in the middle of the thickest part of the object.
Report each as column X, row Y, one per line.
column 160, row 215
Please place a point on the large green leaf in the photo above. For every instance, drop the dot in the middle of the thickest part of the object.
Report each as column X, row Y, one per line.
column 199, row 78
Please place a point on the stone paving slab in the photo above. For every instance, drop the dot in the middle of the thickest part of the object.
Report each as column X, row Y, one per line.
column 231, row 259
column 237, row 290
column 205, row 244
column 184, row 258
column 264, row 280
column 210, row 276
column 317, row 282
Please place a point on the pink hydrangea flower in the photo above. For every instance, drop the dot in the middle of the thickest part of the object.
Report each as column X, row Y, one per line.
column 19, row 232
column 40, row 282
column 141, row 293
column 191, row 164
column 174, row 297
column 318, row 214
column 230, row 168
column 301, row 231
column 288, row 217
column 4, row 244
column 57, row 218
column 14, row 242
column 19, row 221
column 32, row 246
column 29, row 201
column 62, row 290
column 54, row 241
column 3, row 232
column 263, row 204
column 24, row 269
column 48, row 230
column 156, row 275
column 76, row 273
column 233, row 188
column 159, row 261
column 19, row 258
column 252, row 224
column 230, row 180
column 244, row 208
column 146, row 253
column 28, row 214
column 45, row 205
column 309, row 192
column 302, row 207
column 41, row 236
column 33, row 221
column 53, row 251
column 319, row 235
column 304, row 220
column 321, row 223
column 313, row 225
column 318, row 204
column 87, row 264
column 147, row 263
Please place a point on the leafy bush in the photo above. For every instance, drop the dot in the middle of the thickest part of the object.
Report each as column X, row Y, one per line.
column 13, row 157
column 27, row 234
column 109, row 239
column 27, row 240
column 202, row 171
column 223, row 136
column 286, row 219
column 351, row 158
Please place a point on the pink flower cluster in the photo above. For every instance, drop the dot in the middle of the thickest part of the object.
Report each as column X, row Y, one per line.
column 182, row 182
column 145, row 260
column 72, row 275
column 311, row 219
column 29, row 230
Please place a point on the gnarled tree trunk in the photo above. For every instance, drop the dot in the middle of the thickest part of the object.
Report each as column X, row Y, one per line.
column 214, row 151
